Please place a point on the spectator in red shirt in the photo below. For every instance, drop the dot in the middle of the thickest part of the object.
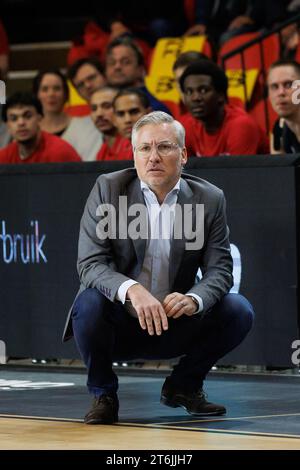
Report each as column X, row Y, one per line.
column 212, row 126
column 23, row 113
column 130, row 104
column 114, row 147
column 180, row 65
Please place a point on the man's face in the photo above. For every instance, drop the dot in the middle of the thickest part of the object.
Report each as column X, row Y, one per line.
column 23, row 122
column 87, row 80
column 122, row 68
column 201, row 98
column 161, row 173
column 102, row 110
column 280, row 90
column 128, row 109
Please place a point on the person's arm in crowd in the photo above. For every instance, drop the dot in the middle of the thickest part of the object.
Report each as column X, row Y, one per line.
column 203, row 9
column 246, row 141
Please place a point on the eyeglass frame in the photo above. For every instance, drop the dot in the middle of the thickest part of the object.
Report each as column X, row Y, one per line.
column 174, row 145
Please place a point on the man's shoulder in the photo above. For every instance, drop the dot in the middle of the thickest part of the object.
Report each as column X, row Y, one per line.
column 235, row 115
column 117, row 179
column 201, row 186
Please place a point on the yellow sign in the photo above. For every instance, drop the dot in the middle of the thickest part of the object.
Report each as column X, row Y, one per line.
column 236, row 81
column 160, row 81
column 75, row 99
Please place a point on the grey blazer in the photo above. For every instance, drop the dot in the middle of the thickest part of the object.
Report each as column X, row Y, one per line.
column 106, row 264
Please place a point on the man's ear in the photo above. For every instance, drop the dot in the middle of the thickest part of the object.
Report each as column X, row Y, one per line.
column 183, row 156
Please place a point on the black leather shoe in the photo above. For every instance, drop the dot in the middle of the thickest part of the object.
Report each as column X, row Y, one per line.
column 104, row 410
column 194, row 403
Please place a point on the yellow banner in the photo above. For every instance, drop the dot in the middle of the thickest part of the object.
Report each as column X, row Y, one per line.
column 160, row 81
column 75, row 99
column 236, row 83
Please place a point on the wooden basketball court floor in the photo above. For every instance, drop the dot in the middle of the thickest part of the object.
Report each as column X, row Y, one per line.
column 42, row 409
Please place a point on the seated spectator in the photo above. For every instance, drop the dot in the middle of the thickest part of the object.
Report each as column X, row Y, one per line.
column 125, row 68
column 181, row 63
column 285, row 137
column 87, row 75
column 114, row 147
column 130, row 105
column 212, row 126
column 51, row 88
column 23, row 113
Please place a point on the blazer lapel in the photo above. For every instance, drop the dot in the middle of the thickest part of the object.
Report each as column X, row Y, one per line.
column 184, row 201
column 135, row 196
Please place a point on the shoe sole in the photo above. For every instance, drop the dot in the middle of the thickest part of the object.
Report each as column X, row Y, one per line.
column 102, row 421
column 171, row 404
column 96, row 421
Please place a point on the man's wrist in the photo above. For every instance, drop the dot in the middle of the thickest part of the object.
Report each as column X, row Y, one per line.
column 195, row 302
column 198, row 302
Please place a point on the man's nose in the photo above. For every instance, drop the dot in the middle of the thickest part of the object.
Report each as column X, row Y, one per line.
column 154, row 155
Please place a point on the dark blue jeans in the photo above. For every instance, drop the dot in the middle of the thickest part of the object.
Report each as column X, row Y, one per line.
column 105, row 332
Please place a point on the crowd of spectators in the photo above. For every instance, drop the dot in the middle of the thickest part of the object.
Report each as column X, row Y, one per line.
column 109, row 75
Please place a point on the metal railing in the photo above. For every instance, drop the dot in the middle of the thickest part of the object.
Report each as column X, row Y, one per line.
column 241, row 50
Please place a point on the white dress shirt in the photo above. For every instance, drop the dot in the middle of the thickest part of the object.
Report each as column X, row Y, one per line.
column 154, row 275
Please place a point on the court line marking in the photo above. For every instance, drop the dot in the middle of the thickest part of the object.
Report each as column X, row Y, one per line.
column 42, row 418
column 212, row 420
column 159, row 426
column 214, row 431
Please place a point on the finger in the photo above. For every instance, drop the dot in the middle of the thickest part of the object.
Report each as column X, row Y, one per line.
column 157, row 323
column 169, row 298
column 173, row 302
column 164, row 318
column 141, row 318
column 176, row 309
column 149, row 322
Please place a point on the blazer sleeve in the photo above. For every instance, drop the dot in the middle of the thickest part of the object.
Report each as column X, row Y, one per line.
column 217, row 264
column 96, row 266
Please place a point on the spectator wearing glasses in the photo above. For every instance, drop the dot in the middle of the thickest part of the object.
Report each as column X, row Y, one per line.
column 87, row 76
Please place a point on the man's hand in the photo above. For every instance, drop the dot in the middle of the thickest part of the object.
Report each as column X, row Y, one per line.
column 149, row 310
column 176, row 304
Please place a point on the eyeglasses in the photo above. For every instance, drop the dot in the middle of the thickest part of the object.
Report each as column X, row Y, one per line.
column 164, row 149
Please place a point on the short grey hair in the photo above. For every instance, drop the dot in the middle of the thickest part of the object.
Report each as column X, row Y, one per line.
column 159, row 117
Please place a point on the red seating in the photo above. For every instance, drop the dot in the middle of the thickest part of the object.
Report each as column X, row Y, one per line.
column 258, row 112
column 252, row 55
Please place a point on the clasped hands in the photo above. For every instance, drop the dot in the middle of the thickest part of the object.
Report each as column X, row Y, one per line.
column 152, row 314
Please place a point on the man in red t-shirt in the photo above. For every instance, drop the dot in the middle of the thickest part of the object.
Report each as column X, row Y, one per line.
column 114, row 147
column 130, row 105
column 212, row 126
column 23, row 113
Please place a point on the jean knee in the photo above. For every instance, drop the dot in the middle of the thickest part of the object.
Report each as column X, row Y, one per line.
column 239, row 310
column 88, row 304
